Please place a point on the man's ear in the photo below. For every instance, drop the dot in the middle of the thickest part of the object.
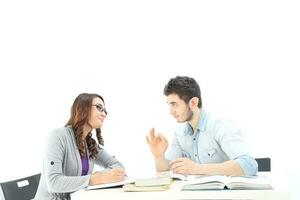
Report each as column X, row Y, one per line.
column 194, row 102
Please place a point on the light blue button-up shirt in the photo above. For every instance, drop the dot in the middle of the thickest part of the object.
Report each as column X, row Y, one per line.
column 214, row 141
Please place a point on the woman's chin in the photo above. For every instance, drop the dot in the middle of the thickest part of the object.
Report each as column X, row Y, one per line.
column 98, row 125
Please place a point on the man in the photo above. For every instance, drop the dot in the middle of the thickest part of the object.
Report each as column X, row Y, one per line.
column 203, row 144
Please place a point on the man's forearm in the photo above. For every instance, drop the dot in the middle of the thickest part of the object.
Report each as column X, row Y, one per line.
column 161, row 164
column 228, row 168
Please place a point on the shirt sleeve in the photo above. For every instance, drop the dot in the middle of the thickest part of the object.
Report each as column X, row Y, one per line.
column 106, row 160
column 232, row 143
column 248, row 164
column 174, row 151
column 56, row 181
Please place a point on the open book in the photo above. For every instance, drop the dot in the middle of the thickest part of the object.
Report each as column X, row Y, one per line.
column 218, row 182
column 175, row 176
column 110, row 185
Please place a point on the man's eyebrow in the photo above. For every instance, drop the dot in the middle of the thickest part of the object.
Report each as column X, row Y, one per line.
column 172, row 102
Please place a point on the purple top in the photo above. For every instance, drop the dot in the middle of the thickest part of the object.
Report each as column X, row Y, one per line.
column 85, row 165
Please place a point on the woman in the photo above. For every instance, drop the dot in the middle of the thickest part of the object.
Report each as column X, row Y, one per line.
column 71, row 153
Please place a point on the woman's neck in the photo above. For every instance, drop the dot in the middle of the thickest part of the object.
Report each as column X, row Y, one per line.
column 86, row 130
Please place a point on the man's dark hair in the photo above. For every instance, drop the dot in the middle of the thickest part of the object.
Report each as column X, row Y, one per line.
column 185, row 87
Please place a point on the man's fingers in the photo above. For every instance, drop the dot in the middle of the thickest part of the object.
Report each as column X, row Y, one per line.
column 150, row 139
column 180, row 170
column 152, row 130
column 152, row 134
column 176, row 165
column 156, row 137
column 177, row 160
column 160, row 136
column 164, row 139
column 147, row 139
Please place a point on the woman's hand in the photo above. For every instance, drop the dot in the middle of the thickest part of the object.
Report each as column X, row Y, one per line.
column 113, row 175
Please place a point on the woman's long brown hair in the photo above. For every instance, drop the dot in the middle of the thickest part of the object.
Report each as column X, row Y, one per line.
column 80, row 114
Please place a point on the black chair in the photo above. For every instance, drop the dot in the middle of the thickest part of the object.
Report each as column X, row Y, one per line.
column 264, row 164
column 21, row 189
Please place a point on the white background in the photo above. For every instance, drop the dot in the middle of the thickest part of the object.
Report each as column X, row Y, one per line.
column 245, row 56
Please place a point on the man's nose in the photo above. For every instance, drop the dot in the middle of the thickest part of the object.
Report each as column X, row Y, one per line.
column 172, row 111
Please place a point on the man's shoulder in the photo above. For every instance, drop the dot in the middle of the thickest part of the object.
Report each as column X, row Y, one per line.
column 215, row 122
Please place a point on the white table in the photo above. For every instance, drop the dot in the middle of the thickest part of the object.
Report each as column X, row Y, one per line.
column 175, row 193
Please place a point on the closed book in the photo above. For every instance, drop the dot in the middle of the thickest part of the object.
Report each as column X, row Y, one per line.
column 157, row 181
column 133, row 188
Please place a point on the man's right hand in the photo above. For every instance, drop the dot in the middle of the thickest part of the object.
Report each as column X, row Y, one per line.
column 158, row 144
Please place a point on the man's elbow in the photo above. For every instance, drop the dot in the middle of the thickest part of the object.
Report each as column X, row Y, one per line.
column 249, row 166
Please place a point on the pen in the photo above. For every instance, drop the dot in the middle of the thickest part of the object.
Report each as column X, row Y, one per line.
column 109, row 167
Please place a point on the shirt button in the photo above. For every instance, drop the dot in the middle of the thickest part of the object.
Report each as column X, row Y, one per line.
column 196, row 155
column 194, row 139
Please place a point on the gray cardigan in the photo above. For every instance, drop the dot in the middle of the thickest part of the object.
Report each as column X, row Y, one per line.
column 62, row 166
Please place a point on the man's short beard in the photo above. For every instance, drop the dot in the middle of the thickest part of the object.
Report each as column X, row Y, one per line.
column 190, row 115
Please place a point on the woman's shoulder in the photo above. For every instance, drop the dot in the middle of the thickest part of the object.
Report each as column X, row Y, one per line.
column 61, row 133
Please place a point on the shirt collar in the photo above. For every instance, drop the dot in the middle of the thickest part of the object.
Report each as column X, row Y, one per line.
column 201, row 123
column 202, row 120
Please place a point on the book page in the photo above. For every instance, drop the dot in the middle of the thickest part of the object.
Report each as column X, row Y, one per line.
column 215, row 182
column 249, row 182
column 182, row 177
column 208, row 179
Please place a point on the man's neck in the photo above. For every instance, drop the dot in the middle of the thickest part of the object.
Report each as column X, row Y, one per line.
column 194, row 121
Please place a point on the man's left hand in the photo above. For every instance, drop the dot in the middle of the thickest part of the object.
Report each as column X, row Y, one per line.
column 184, row 166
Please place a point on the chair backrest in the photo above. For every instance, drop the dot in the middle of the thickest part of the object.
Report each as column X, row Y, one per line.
column 264, row 164
column 21, row 189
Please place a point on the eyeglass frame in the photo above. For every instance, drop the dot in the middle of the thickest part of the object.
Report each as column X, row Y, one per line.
column 100, row 108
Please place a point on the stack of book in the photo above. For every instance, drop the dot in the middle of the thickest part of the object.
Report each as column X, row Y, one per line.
column 148, row 184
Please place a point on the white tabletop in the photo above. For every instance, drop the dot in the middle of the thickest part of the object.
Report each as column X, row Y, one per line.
column 175, row 193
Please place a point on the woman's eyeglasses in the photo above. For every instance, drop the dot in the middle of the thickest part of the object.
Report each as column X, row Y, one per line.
column 100, row 108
